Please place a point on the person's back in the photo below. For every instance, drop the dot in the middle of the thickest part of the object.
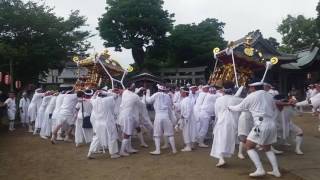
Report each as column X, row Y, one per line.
column 261, row 104
column 162, row 102
column 209, row 103
column 68, row 105
column 103, row 108
column 223, row 102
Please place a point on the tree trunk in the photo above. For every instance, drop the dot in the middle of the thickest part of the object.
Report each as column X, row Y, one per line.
column 138, row 55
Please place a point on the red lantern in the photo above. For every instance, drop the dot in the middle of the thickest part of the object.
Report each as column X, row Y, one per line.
column 0, row 76
column 18, row 84
column 7, row 79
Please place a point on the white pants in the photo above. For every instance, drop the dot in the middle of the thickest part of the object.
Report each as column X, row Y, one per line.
column 163, row 125
column 95, row 145
column 82, row 135
column 186, row 132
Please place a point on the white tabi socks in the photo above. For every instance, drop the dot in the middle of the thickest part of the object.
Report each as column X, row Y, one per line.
column 130, row 148
column 142, row 142
column 30, row 128
column 201, row 143
column 273, row 160
column 221, row 162
column 123, row 149
column 157, row 144
column 240, row 152
column 299, row 140
column 187, row 148
column 11, row 125
column 173, row 144
column 165, row 143
column 256, row 161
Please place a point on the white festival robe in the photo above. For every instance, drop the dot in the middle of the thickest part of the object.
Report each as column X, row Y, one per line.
column 263, row 110
column 46, row 127
column 186, row 107
column 24, row 105
column 34, row 106
column 83, row 135
column 41, row 112
column 144, row 117
column 163, row 122
column 129, row 112
column 67, row 112
column 11, row 108
column 55, row 113
column 206, row 114
column 245, row 123
column 104, row 124
column 285, row 124
column 225, row 130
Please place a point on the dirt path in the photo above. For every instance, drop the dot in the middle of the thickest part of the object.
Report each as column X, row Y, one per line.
column 23, row 156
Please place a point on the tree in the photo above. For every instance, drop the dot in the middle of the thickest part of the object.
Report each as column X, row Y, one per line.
column 192, row 44
column 297, row 32
column 35, row 39
column 318, row 18
column 134, row 24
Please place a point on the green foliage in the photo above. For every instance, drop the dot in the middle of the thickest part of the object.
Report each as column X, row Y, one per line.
column 318, row 19
column 35, row 39
column 134, row 24
column 297, row 32
column 193, row 43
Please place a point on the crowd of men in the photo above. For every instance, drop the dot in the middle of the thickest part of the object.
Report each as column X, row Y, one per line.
column 254, row 117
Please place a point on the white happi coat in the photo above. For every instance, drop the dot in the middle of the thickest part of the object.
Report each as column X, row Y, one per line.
column 24, row 105
column 55, row 113
column 105, row 124
column 285, row 125
column 163, row 121
column 67, row 112
column 41, row 112
column 129, row 112
column 225, row 130
column 34, row 106
column 46, row 126
column 263, row 109
column 11, row 108
column 83, row 135
column 186, row 107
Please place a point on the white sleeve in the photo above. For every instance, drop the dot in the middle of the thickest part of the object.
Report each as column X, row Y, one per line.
column 8, row 101
column 151, row 99
column 244, row 105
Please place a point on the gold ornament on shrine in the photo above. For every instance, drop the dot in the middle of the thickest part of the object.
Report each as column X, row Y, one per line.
column 216, row 50
column 274, row 60
column 249, row 51
column 130, row 69
column 75, row 59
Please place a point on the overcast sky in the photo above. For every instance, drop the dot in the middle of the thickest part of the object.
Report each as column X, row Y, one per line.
column 240, row 16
